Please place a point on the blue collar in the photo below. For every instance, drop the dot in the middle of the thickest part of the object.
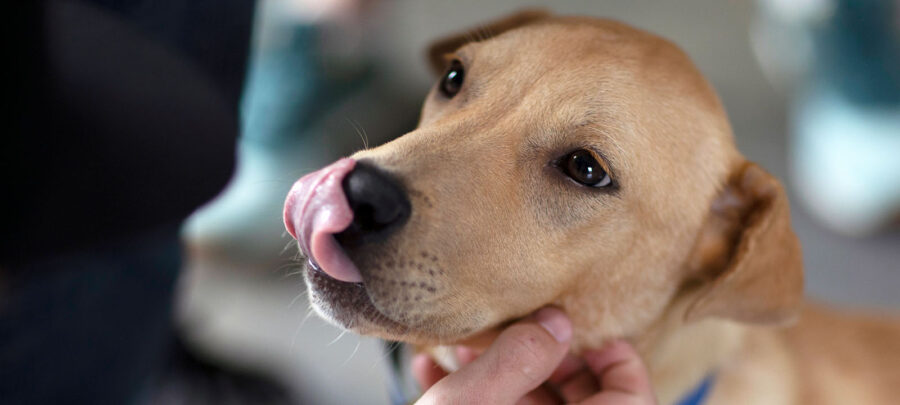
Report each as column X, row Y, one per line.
column 699, row 394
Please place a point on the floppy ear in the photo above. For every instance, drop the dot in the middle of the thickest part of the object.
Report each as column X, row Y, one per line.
column 747, row 257
column 440, row 48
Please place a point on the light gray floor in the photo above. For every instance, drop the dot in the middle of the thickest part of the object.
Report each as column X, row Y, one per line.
column 252, row 314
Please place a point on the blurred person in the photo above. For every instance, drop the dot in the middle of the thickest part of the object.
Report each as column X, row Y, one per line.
column 840, row 60
column 125, row 120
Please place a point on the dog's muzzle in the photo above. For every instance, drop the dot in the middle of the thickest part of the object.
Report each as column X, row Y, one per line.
column 343, row 205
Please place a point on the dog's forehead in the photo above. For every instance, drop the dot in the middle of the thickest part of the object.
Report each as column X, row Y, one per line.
column 568, row 42
column 592, row 62
column 599, row 53
column 575, row 70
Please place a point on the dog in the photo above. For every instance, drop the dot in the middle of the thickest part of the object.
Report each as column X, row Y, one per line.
column 586, row 164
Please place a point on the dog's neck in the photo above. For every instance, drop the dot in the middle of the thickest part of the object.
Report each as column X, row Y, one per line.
column 679, row 354
column 680, row 357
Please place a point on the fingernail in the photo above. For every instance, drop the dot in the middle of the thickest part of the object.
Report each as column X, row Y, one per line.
column 555, row 322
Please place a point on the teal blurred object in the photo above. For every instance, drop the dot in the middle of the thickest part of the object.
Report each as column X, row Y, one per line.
column 290, row 88
column 857, row 51
column 841, row 61
column 846, row 161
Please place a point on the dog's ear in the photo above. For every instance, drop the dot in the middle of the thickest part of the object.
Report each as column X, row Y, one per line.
column 747, row 258
column 440, row 48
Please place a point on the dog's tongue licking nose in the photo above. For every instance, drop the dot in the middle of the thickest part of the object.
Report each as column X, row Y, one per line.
column 314, row 211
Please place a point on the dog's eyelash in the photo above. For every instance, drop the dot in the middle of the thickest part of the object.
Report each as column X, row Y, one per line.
column 556, row 162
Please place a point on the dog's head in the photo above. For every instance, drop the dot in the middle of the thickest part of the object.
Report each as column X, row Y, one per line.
column 570, row 161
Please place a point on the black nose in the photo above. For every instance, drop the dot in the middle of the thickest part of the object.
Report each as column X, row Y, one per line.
column 379, row 204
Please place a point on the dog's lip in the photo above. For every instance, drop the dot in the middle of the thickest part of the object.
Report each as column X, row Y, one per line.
column 350, row 301
column 314, row 211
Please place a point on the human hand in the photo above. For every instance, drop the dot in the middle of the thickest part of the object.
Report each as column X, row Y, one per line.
column 528, row 364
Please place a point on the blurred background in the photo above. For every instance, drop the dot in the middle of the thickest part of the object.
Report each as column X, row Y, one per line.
column 255, row 94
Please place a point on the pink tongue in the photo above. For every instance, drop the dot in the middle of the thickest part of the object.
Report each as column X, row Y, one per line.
column 315, row 210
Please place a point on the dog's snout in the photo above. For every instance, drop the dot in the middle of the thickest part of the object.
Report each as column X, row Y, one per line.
column 379, row 204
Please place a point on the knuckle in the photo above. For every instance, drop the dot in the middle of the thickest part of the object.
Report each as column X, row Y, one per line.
column 633, row 375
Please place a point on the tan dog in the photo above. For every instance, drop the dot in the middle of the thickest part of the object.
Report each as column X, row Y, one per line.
column 586, row 164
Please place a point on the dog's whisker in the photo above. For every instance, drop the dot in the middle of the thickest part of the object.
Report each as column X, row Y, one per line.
column 289, row 265
column 360, row 131
column 292, row 274
column 387, row 353
column 343, row 332
column 291, row 269
column 310, row 311
column 293, row 265
column 291, row 243
column 353, row 353
column 298, row 257
column 294, row 300
column 365, row 135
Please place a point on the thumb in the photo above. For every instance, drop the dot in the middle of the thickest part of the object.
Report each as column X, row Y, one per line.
column 520, row 360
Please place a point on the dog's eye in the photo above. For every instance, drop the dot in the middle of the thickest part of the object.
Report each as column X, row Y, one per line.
column 452, row 81
column 584, row 168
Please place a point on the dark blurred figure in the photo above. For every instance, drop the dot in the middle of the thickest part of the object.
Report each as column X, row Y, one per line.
column 125, row 116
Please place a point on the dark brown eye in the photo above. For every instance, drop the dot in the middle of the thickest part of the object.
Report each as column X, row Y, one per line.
column 584, row 168
column 452, row 81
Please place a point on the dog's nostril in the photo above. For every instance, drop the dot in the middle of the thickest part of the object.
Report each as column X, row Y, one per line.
column 378, row 202
column 364, row 216
column 369, row 218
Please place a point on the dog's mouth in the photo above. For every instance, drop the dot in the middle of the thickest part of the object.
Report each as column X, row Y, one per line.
column 316, row 210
